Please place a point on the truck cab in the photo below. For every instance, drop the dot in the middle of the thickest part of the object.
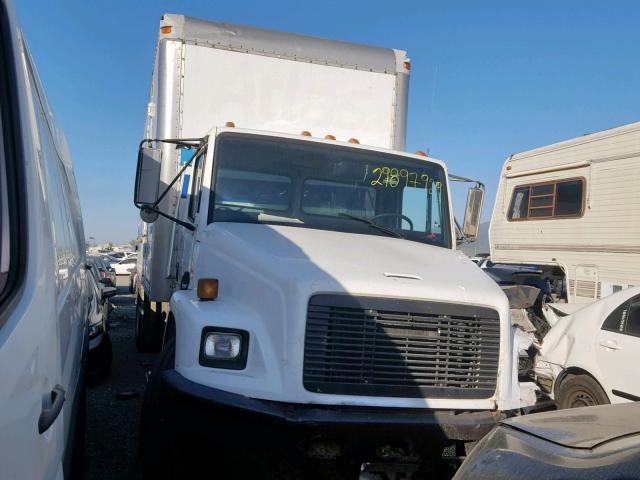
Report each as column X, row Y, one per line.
column 318, row 273
column 302, row 265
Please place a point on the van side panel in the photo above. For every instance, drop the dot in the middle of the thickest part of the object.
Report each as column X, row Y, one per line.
column 44, row 323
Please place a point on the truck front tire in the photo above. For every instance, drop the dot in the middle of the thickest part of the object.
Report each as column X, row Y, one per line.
column 155, row 441
column 148, row 338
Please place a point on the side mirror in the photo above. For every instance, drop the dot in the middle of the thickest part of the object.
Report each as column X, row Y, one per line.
column 472, row 214
column 108, row 292
column 147, row 177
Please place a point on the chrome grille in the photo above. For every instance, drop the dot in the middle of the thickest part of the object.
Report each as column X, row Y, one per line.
column 390, row 347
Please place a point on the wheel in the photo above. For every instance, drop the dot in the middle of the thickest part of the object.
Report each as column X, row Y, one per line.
column 580, row 391
column 155, row 448
column 147, row 336
column 100, row 360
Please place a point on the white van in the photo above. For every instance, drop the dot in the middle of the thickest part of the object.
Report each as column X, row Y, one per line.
column 43, row 289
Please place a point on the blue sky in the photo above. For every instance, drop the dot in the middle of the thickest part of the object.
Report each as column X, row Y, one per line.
column 489, row 78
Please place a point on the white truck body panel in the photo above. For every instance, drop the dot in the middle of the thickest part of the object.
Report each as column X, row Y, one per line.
column 221, row 86
column 209, row 73
column 598, row 251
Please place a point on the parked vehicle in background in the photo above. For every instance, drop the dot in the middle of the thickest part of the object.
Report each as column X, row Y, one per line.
column 113, row 258
column 590, row 357
column 116, row 256
column 43, row 281
column 124, row 267
column 106, row 275
column 133, row 279
column 100, row 355
column 481, row 259
column 582, row 444
column 572, row 208
column 277, row 258
column 110, row 290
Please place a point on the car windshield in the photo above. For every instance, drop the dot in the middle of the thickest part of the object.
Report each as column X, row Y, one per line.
column 305, row 184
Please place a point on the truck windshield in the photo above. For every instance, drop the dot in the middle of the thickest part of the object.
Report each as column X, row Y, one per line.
column 270, row 180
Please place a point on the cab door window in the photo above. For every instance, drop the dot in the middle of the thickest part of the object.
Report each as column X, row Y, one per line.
column 196, row 187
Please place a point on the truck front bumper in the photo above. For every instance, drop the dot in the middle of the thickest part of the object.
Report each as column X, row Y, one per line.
column 194, row 406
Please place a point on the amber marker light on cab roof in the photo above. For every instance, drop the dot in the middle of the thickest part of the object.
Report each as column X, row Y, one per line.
column 165, row 29
column 421, row 153
column 305, row 133
column 208, row 288
column 329, row 137
column 230, row 125
column 354, row 140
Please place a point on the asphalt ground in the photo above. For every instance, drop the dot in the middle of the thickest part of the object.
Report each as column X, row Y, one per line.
column 113, row 407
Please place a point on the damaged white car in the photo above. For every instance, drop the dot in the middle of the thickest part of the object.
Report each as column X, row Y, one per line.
column 591, row 353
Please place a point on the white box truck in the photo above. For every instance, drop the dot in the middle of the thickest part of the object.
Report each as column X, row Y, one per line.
column 304, row 265
column 572, row 208
column 44, row 294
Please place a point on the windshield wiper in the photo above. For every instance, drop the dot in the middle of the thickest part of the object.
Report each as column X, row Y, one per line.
column 372, row 224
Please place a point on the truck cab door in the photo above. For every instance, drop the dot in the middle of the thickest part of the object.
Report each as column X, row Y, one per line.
column 617, row 347
column 195, row 213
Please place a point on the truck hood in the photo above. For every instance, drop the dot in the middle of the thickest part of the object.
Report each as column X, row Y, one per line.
column 267, row 275
column 354, row 263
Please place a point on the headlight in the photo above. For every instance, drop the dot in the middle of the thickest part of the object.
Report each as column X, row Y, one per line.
column 224, row 348
column 222, row 345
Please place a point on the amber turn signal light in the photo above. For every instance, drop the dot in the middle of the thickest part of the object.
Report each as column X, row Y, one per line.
column 165, row 29
column 208, row 288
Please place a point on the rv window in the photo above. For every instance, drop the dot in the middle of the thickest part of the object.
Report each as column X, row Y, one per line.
column 548, row 200
column 569, row 198
column 520, row 203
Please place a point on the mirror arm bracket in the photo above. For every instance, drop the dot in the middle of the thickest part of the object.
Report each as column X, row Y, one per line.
column 186, row 225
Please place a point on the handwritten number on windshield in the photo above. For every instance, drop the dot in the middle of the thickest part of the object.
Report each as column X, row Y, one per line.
column 393, row 177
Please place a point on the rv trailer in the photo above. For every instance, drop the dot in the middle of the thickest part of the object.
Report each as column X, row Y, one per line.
column 573, row 208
